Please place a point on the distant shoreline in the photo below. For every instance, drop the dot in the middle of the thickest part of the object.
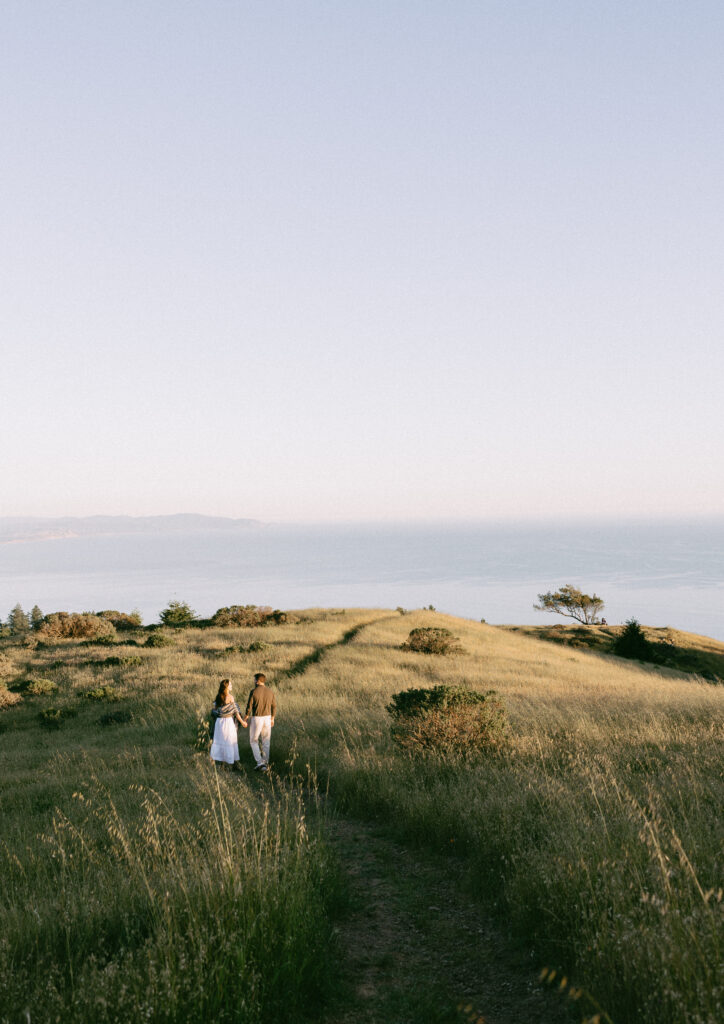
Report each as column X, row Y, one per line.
column 26, row 529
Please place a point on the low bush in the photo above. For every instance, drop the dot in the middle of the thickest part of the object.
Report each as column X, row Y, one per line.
column 123, row 620
column 8, row 699
column 74, row 626
column 108, row 693
column 242, row 615
column 115, row 718
column 53, row 718
column 158, row 639
column 108, row 640
column 122, row 660
column 39, row 687
column 431, row 640
column 448, row 720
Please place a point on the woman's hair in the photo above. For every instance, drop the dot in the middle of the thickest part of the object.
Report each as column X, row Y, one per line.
column 222, row 697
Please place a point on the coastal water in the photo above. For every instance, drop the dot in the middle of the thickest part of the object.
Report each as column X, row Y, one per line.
column 662, row 574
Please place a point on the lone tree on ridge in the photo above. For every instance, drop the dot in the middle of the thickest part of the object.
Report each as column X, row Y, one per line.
column 571, row 602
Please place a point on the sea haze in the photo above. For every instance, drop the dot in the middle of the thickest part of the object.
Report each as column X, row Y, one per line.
column 663, row 574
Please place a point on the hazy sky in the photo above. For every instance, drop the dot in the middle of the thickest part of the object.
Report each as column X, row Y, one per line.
column 377, row 259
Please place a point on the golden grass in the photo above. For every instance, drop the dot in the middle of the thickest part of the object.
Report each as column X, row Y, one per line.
column 597, row 830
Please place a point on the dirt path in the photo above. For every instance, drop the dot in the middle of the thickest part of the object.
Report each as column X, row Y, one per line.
column 415, row 950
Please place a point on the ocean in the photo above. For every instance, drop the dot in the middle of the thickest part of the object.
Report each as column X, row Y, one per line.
column 663, row 574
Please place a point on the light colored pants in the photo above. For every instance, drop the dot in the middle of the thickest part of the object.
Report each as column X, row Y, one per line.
column 260, row 729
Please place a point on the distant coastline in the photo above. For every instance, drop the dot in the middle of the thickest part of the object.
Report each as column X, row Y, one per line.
column 24, row 529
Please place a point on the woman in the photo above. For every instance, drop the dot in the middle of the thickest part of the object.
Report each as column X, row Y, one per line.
column 226, row 713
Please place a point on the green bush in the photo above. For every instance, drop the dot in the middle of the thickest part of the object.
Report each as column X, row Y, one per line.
column 39, row 687
column 109, row 693
column 178, row 615
column 241, row 615
column 73, row 626
column 101, row 641
column 123, row 620
column 122, row 660
column 115, row 718
column 431, row 640
column 255, row 647
column 448, row 720
column 632, row 643
column 53, row 718
column 250, row 615
column 158, row 639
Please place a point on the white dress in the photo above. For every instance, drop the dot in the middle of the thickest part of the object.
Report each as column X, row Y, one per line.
column 225, row 746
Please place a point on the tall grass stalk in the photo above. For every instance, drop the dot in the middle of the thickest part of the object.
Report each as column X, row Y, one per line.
column 146, row 911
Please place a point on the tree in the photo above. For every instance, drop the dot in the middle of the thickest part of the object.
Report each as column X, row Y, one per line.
column 178, row 614
column 632, row 643
column 36, row 617
column 18, row 621
column 571, row 602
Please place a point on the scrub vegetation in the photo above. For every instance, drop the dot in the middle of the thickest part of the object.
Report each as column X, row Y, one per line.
column 138, row 882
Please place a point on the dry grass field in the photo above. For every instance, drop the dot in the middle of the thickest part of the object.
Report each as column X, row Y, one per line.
column 134, row 876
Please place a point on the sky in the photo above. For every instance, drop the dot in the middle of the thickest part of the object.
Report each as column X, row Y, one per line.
column 386, row 260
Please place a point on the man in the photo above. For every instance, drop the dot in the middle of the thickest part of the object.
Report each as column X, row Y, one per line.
column 262, row 707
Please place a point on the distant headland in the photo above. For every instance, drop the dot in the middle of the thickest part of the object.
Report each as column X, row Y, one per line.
column 16, row 529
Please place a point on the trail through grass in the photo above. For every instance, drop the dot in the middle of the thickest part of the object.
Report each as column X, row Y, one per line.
column 415, row 947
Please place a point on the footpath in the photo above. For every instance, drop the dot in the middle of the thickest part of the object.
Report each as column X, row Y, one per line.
column 414, row 948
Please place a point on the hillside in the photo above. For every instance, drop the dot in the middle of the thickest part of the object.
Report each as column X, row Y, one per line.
column 677, row 649
column 402, row 888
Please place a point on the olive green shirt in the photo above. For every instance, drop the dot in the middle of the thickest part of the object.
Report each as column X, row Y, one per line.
column 261, row 702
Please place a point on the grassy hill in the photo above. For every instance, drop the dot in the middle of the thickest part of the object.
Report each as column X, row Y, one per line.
column 136, row 881
column 671, row 648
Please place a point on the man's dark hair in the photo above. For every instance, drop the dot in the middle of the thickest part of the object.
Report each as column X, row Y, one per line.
column 259, row 677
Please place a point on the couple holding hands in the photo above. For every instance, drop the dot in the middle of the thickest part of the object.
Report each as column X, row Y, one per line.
column 258, row 717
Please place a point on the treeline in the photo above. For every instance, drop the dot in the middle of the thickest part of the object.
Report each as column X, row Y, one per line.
column 97, row 625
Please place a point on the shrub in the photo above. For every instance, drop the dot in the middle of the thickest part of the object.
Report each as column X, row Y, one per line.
column 632, row 643
column 278, row 617
column 178, row 615
column 108, row 693
column 122, row 620
column 72, row 626
column 431, row 640
column 115, row 718
column 448, row 720
column 158, row 639
column 244, row 615
column 108, row 640
column 8, row 699
column 53, row 718
column 124, row 661
column 39, row 687
column 253, row 648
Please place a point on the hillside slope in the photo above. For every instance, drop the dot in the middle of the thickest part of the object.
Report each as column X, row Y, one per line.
column 593, row 836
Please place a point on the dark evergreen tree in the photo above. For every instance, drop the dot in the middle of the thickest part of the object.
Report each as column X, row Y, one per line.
column 632, row 643
column 36, row 617
column 18, row 621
